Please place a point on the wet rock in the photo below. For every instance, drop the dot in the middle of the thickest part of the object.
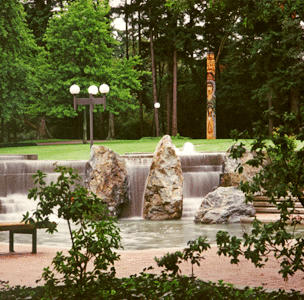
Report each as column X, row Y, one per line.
column 224, row 205
column 230, row 176
column 163, row 197
column 106, row 176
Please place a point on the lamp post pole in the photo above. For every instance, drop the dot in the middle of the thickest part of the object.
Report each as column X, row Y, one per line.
column 91, row 101
column 156, row 107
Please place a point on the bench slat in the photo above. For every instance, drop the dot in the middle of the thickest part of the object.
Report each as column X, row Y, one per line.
column 15, row 226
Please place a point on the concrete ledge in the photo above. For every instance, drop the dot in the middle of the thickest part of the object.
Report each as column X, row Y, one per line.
column 18, row 156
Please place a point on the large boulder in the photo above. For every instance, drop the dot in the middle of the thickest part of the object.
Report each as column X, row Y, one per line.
column 163, row 197
column 224, row 205
column 230, row 176
column 106, row 176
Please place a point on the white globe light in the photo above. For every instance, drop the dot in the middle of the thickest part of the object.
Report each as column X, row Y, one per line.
column 74, row 89
column 93, row 90
column 157, row 105
column 104, row 88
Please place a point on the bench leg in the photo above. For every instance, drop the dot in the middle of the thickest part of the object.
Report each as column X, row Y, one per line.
column 11, row 241
column 34, row 241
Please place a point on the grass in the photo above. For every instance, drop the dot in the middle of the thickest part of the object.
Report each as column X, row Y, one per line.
column 82, row 152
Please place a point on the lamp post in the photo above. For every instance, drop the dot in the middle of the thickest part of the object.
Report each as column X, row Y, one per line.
column 156, row 107
column 91, row 101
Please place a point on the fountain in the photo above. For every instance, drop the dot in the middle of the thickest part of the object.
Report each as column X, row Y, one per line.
column 201, row 173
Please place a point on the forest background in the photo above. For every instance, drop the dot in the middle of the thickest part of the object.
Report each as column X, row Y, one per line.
column 160, row 56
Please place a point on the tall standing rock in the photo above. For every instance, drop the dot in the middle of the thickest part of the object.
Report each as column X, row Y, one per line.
column 106, row 176
column 163, row 197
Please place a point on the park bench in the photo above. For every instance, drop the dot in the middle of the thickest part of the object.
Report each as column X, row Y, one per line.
column 20, row 228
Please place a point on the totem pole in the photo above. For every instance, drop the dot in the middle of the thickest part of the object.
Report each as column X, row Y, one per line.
column 211, row 116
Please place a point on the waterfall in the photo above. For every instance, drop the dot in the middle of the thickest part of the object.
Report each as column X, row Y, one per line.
column 201, row 173
column 16, row 179
column 138, row 170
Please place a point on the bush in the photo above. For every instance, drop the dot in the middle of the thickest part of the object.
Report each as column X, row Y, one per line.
column 94, row 234
column 281, row 180
column 150, row 286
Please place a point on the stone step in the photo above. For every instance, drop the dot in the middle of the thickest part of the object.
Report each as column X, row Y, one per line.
column 265, row 198
column 273, row 210
column 263, row 206
column 269, row 204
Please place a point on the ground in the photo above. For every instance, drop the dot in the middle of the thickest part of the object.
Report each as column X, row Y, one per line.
column 24, row 268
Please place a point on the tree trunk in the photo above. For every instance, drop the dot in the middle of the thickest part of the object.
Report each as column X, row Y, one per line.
column 84, row 126
column 133, row 32
column 168, row 100
column 154, row 83
column 140, row 93
column 2, row 131
column 111, row 130
column 141, row 116
column 127, row 28
column 42, row 129
column 174, row 95
column 270, row 119
column 14, row 131
column 294, row 101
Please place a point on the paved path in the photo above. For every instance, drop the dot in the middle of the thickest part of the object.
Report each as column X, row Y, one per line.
column 23, row 268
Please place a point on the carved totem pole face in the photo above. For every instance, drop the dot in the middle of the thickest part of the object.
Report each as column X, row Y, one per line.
column 209, row 91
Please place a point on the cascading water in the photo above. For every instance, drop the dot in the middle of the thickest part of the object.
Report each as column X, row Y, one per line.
column 201, row 173
column 16, row 178
column 138, row 170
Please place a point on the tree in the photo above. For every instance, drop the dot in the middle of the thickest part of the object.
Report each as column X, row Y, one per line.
column 80, row 49
column 17, row 61
column 264, row 48
column 38, row 13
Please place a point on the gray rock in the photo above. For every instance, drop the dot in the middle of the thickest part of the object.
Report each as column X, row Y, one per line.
column 106, row 176
column 163, row 197
column 224, row 205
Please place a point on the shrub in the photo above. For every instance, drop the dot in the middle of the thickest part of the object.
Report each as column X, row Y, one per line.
column 93, row 233
column 281, row 179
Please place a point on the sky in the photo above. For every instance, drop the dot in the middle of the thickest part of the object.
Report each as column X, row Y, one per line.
column 118, row 23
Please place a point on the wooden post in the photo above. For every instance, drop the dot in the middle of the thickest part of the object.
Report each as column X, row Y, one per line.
column 11, row 241
column 34, row 241
column 211, row 113
column 91, row 125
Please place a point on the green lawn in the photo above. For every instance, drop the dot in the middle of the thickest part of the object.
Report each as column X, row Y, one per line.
column 82, row 152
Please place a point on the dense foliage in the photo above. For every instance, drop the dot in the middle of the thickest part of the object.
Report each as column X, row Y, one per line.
column 259, row 43
column 281, row 180
column 148, row 286
column 17, row 63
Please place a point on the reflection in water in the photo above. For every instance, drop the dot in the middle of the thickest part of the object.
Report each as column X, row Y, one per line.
column 139, row 234
column 135, row 233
